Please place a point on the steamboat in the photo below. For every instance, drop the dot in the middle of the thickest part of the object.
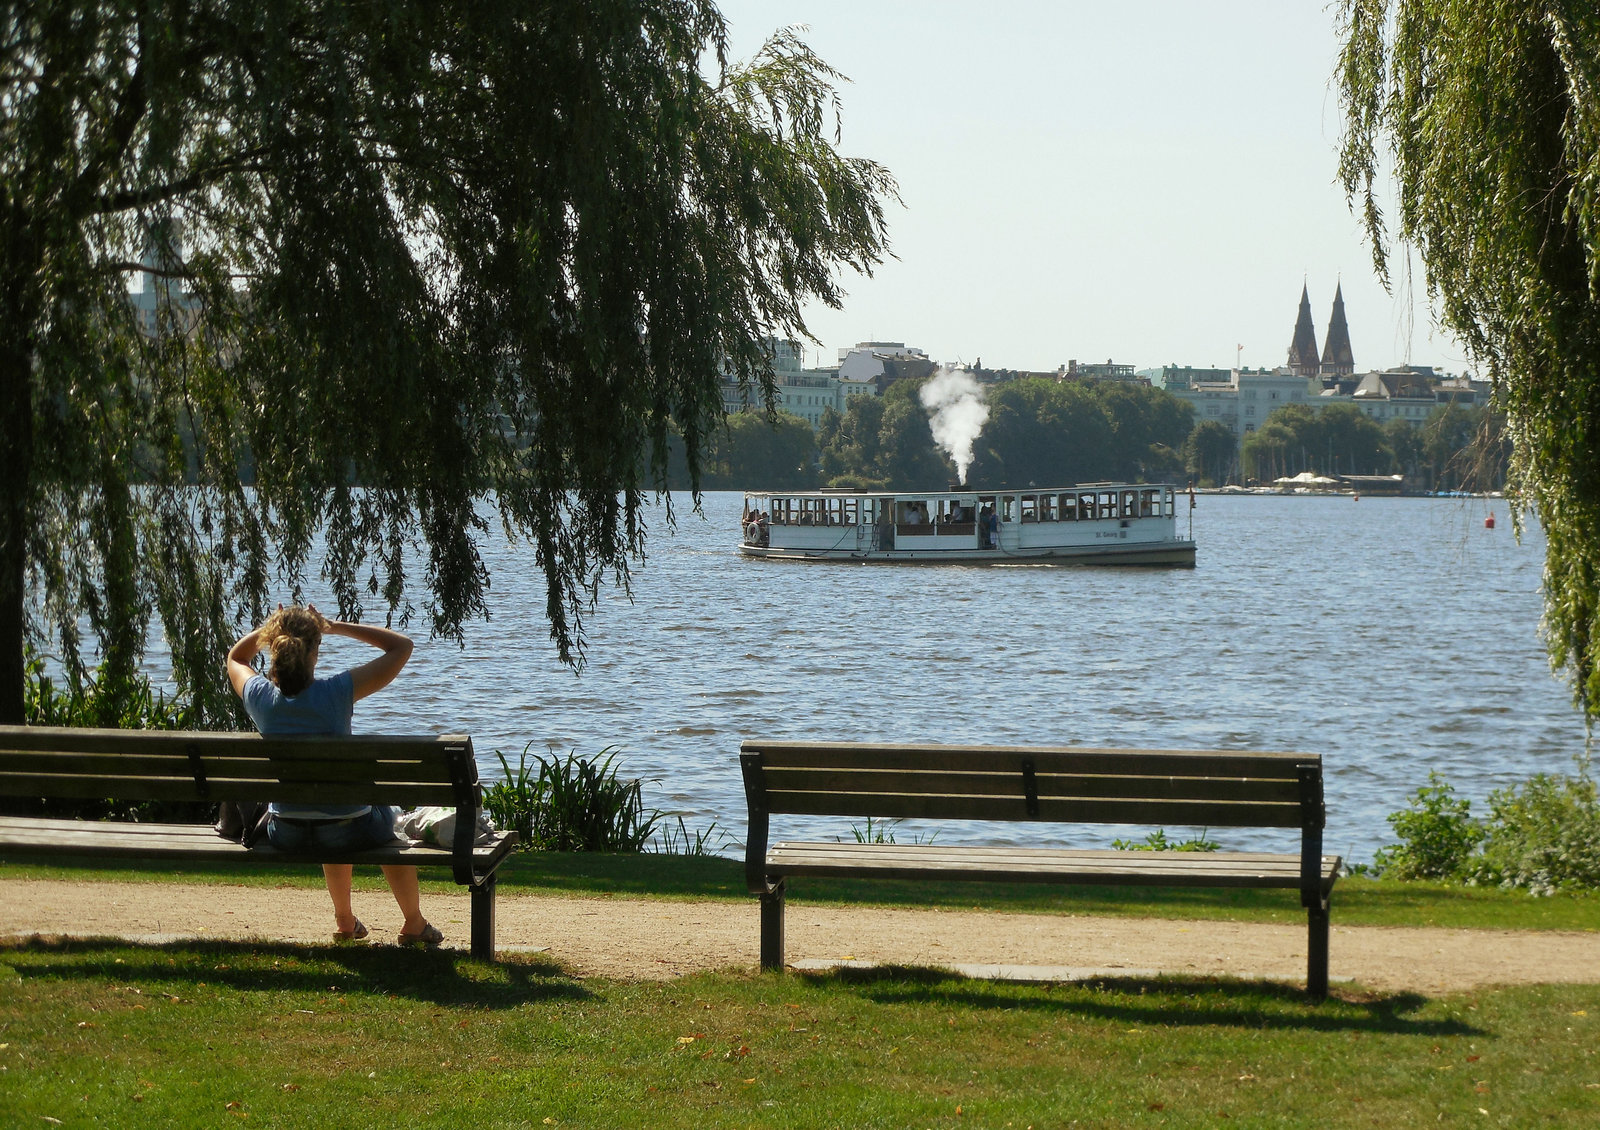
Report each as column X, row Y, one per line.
column 1091, row 524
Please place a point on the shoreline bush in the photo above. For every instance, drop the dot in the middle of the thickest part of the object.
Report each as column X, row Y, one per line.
column 1542, row 836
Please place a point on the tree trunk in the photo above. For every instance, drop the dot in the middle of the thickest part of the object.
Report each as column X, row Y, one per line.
column 16, row 440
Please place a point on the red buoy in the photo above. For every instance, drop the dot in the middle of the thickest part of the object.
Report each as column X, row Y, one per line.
column 1488, row 523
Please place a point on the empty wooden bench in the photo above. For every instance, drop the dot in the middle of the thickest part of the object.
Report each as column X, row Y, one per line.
column 1069, row 785
column 140, row 765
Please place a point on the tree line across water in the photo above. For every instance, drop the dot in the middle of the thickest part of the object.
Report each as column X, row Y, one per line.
column 1043, row 432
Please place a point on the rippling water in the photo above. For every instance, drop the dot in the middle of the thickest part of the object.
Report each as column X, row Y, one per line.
column 1392, row 636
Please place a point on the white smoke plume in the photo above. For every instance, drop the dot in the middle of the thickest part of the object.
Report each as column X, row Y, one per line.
column 956, row 414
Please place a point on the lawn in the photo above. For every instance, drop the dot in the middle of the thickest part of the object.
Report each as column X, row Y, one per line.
column 283, row 1036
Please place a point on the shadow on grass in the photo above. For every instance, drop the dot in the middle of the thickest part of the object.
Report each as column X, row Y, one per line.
column 1190, row 1002
column 440, row 977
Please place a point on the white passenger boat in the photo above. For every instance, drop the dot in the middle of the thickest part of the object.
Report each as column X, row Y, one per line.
column 1092, row 523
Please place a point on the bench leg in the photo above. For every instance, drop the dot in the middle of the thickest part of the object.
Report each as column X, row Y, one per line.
column 772, row 929
column 483, row 920
column 1317, row 951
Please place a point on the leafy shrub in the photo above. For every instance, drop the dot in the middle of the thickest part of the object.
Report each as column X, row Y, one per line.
column 571, row 804
column 95, row 702
column 1437, row 835
column 1157, row 841
column 1544, row 837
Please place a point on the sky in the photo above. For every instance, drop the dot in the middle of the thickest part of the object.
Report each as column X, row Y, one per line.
column 1149, row 182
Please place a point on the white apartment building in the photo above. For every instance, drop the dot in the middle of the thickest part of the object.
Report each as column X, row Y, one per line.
column 802, row 392
column 1248, row 397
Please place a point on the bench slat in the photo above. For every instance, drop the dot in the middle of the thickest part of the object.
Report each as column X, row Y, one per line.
column 1124, row 785
column 905, row 861
column 1046, row 759
column 1089, row 811
column 30, row 838
column 308, row 791
column 72, row 739
column 345, row 767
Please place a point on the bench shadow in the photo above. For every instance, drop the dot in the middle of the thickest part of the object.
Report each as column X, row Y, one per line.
column 1190, row 1002
column 441, row 977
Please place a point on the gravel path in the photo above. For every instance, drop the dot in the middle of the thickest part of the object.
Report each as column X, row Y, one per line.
column 657, row 939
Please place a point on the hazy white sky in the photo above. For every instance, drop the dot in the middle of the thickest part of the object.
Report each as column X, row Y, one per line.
column 1149, row 181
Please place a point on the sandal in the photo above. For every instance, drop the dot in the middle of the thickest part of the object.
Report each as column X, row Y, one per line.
column 357, row 933
column 431, row 936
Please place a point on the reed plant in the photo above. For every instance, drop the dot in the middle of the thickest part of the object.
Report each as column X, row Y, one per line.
column 681, row 840
column 571, row 803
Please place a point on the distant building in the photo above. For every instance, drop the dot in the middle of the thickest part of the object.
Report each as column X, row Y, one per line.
column 1246, row 397
column 881, row 363
column 1303, row 360
column 1337, row 360
column 802, row 392
column 162, row 304
column 1110, row 371
column 1175, row 377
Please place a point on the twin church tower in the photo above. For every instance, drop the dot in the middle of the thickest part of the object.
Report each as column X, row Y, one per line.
column 1336, row 359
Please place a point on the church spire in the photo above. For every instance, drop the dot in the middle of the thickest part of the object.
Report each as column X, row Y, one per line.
column 1303, row 349
column 1337, row 360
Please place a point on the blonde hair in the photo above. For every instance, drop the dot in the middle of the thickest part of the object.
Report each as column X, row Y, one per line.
column 292, row 635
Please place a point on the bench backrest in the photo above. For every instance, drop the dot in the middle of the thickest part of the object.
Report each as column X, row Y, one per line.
column 1063, row 784
column 50, row 761
column 1054, row 784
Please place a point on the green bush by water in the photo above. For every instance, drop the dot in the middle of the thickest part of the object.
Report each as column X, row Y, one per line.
column 1437, row 835
column 1541, row 836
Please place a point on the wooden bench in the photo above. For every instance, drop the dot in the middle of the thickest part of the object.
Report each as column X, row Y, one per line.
column 139, row 765
column 1159, row 788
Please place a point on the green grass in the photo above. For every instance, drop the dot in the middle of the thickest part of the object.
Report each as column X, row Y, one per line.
column 282, row 1036
column 1356, row 902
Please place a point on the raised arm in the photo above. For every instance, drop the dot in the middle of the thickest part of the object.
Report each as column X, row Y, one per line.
column 239, row 657
column 375, row 674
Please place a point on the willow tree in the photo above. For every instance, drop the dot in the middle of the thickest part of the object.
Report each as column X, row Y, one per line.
column 1489, row 115
column 408, row 272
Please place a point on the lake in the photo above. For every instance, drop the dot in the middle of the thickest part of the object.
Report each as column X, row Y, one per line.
column 1391, row 635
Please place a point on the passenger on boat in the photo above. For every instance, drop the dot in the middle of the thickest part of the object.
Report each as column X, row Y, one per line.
column 988, row 528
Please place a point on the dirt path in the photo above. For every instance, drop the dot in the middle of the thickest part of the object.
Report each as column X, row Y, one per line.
column 648, row 939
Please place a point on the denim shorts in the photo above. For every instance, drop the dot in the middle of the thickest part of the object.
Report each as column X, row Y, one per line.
column 374, row 829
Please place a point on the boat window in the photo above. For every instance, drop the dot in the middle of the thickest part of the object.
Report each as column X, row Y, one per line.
column 1106, row 504
column 1030, row 508
column 1130, row 504
column 1087, row 510
column 1008, row 508
column 1069, row 508
column 1147, row 503
column 1047, row 508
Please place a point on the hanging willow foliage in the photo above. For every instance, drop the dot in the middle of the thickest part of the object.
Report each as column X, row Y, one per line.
column 1489, row 115
column 410, row 271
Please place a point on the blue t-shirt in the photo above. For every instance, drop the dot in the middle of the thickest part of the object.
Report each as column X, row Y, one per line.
column 324, row 707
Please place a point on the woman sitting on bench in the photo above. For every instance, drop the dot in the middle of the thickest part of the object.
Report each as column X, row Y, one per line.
column 291, row 701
